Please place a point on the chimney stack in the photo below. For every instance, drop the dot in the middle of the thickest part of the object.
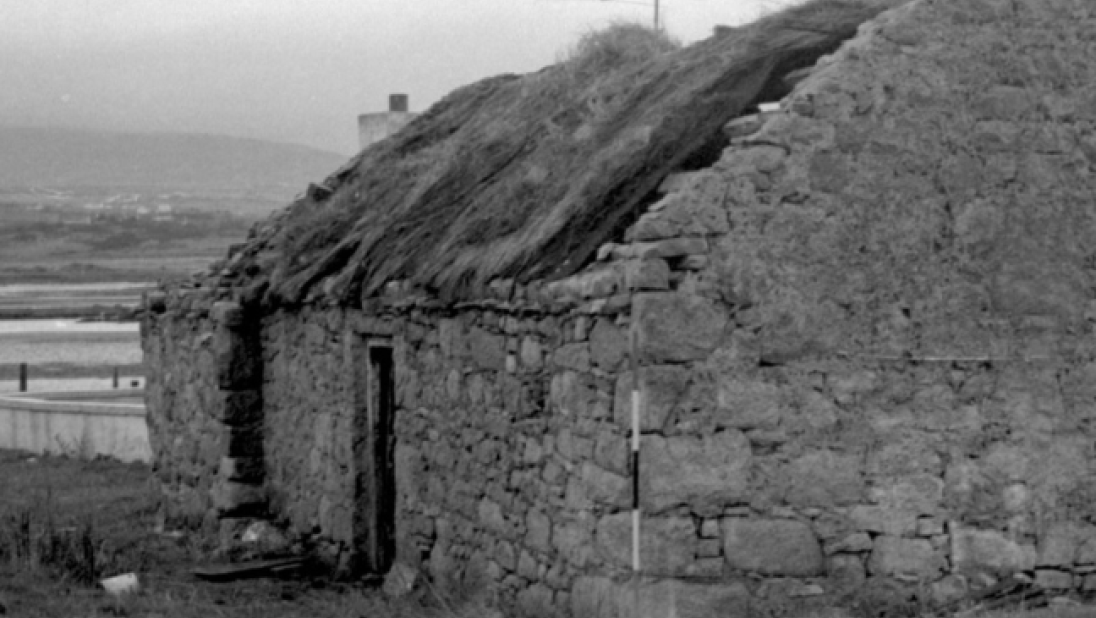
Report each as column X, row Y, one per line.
column 374, row 127
column 397, row 102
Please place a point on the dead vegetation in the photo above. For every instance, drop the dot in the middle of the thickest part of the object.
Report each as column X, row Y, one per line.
column 525, row 176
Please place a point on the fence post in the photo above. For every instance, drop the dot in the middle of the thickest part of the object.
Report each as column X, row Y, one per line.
column 22, row 377
column 115, row 377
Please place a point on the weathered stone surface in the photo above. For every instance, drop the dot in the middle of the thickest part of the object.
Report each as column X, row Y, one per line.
column 884, row 520
column 1052, row 579
column 921, row 494
column 1060, row 545
column 949, row 588
column 486, row 349
column 538, row 530
column 574, row 541
column 604, row 487
column 646, row 274
column 669, row 542
column 674, row 327
column 608, row 345
column 974, row 550
column 847, row 571
column 536, row 600
column 824, row 479
column 906, row 559
column 772, row 547
column 531, row 353
column 490, row 515
column 574, row 356
column 669, row 248
column 663, row 390
column 749, row 404
column 853, row 543
column 707, row 471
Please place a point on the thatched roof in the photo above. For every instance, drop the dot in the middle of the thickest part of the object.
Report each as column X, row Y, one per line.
column 525, row 176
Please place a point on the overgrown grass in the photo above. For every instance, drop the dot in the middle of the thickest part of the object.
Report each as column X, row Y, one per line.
column 601, row 66
column 67, row 523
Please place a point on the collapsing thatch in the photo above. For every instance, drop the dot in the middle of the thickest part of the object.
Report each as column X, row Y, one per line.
column 524, row 177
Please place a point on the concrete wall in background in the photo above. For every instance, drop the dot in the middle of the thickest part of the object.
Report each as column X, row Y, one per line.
column 82, row 425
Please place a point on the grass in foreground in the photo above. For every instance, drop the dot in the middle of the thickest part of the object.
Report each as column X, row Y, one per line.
column 65, row 523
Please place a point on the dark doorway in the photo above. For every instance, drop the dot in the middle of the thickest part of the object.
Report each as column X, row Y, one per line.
column 374, row 446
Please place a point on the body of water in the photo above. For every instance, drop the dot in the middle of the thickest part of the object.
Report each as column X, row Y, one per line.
column 68, row 354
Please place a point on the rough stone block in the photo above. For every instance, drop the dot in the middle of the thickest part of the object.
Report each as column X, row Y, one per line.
column 928, row 527
column 707, row 471
column 487, row 350
column 825, row 479
column 663, row 390
column 1004, row 103
column 491, row 517
column 1060, row 545
column 574, row 541
column 575, row 356
column 538, row 533
column 611, row 452
column 950, row 588
column 749, row 404
column 782, row 547
column 853, row 543
column 604, row 487
column 652, row 226
column 674, row 327
column 921, row 494
column 975, row 551
column 884, row 520
column 646, row 274
column 669, row 543
column 536, row 600
column 608, row 345
column 1052, row 579
column 532, row 356
column 669, row 248
column 847, row 571
column 912, row 560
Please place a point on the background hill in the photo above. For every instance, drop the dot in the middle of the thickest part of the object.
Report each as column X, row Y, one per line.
column 206, row 164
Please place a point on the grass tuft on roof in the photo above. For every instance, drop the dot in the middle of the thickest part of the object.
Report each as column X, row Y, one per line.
column 525, row 176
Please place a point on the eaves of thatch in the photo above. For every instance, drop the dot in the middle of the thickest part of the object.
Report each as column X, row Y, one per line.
column 524, row 177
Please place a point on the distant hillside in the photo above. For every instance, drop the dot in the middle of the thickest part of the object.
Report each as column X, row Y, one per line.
column 209, row 164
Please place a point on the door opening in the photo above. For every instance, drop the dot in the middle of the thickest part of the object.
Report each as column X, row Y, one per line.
column 374, row 446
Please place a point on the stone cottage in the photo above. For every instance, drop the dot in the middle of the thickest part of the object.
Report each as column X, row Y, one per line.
column 861, row 325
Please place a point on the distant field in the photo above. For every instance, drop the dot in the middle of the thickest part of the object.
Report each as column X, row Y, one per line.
column 26, row 300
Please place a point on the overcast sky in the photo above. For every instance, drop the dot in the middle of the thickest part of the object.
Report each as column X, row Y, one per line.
column 287, row 70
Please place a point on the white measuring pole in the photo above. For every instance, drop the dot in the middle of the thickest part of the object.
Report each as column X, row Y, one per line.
column 635, row 456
